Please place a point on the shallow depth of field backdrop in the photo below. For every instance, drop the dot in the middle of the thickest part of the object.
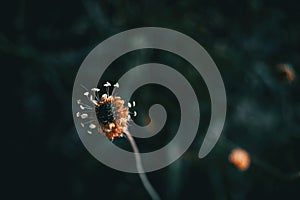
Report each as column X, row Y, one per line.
column 256, row 46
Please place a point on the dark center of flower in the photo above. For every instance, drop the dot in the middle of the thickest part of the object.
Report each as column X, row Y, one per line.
column 104, row 113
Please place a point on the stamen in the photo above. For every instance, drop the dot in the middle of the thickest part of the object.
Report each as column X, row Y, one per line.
column 78, row 114
column 134, row 113
column 129, row 104
column 93, row 100
column 85, row 106
column 89, row 132
column 133, row 104
column 84, row 116
column 95, row 89
column 92, row 126
column 82, row 107
column 117, row 85
column 107, row 84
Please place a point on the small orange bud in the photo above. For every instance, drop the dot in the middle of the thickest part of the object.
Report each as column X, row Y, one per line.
column 286, row 72
column 240, row 158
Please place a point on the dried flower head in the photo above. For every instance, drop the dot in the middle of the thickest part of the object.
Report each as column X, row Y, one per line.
column 240, row 158
column 108, row 110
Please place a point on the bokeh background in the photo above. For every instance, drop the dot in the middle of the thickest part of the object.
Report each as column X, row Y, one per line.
column 255, row 45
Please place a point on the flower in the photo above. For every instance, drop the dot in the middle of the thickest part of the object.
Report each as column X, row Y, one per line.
column 108, row 110
column 240, row 158
column 286, row 72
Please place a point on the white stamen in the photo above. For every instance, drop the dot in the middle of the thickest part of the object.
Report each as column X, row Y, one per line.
column 84, row 116
column 107, row 84
column 86, row 93
column 129, row 104
column 92, row 126
column 89, row 132
column 85, row 106
column 134, row 113
column 79, row 101
column 133, row 103
column 78, row 114
column 117, row 85
column 82, row 124
column 94, row 102
column 95, row 89
column 104, row 96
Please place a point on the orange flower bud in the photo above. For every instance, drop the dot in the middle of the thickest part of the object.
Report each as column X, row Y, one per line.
column 240, row 158
column 287, row 72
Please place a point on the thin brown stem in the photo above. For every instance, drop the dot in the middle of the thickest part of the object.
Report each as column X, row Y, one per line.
column 150, row 189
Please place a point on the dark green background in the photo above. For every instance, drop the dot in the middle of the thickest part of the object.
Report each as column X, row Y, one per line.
column 42, row 45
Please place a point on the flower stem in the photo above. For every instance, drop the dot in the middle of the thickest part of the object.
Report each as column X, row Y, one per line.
column 154, row 195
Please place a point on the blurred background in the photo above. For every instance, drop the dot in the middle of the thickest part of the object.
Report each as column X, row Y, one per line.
column 255, row 45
